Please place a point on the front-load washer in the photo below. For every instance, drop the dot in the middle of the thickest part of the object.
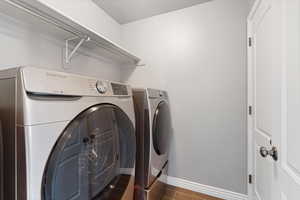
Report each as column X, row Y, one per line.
column 1, row 163
column 153, row 131
column 66, row 137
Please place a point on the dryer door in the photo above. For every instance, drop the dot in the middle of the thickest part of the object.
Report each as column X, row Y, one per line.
column 94, row 158
column 161, row 128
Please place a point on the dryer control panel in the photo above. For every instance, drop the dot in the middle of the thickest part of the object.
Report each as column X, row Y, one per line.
column 46, row 82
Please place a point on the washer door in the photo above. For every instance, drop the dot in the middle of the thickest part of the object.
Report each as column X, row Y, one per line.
column 161, row 129
column 94, row 158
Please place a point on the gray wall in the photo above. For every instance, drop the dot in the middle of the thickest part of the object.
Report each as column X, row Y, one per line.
column 198, row 55
column 251, row 3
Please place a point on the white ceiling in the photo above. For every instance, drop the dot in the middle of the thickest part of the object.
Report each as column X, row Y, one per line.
column 125, row 11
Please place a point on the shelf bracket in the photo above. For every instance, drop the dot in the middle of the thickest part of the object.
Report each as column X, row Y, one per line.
column 69, row 54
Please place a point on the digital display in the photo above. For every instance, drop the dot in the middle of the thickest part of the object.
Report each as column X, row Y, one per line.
column 119, row 89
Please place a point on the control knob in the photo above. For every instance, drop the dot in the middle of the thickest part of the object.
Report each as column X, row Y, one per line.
column 101, row 87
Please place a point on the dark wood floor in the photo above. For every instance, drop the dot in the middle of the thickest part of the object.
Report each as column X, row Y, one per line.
column 175, row 193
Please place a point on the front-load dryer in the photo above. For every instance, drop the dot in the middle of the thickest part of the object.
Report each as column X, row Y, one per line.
column 153, row 131
column 66, row 137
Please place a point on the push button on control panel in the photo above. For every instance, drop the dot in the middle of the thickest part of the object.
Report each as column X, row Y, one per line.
column 101, row 87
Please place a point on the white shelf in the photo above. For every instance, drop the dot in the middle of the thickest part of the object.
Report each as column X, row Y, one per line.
column 39, row 17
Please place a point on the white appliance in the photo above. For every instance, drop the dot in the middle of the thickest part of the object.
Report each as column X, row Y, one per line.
column 66, row 136
column 154, row 132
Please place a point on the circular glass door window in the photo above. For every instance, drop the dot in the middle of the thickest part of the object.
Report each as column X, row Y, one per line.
column 94, row 157
column 161, row 128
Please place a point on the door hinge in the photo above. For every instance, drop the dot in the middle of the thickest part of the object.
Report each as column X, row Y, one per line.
column 250, row 179
column 250, row 110
column 250, row 42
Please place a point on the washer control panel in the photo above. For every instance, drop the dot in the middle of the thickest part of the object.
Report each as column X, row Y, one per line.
column 59, row 83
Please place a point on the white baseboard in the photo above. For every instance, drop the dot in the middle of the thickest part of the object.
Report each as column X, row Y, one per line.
column 205, row 189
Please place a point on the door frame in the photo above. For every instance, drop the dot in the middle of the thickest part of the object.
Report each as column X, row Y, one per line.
column 250, row 122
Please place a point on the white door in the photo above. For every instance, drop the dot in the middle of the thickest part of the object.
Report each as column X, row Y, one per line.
column 274, row 97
